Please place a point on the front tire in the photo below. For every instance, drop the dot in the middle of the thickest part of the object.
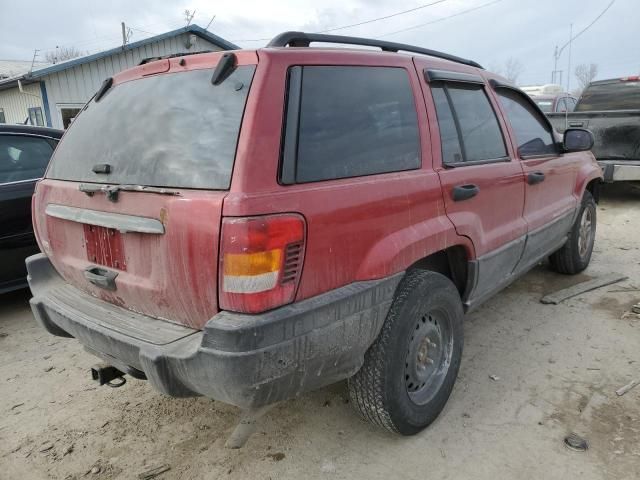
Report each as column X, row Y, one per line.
column 575, row 255
column 409, row 371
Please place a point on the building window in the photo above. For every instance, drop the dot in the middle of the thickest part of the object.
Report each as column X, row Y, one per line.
column 35, row 116
column 68, row 115
column 2, row 118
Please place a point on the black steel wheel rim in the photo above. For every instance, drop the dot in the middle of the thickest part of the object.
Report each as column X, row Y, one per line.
column 429, row 354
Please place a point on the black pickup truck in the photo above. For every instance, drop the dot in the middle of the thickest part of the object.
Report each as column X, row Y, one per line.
column 611, row 110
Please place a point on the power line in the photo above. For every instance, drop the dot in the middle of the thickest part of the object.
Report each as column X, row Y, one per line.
column 586, row 28
column 442, row 19
column 142, row 31
column 115, row 38
column 342, row 27
column 381, row 18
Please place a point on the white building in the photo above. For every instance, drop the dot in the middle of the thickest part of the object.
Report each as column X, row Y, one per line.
column 52, row 95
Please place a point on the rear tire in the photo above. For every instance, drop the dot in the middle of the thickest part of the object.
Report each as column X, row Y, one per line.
column 575, row 255
column 409, row 371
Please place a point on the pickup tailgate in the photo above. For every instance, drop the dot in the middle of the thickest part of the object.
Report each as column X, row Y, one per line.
column 616, row 133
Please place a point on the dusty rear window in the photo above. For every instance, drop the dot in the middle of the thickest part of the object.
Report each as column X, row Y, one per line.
column 171, row 130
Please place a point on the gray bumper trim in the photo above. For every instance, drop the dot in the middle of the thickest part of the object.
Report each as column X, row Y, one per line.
column 620, row 171
column 244, row 360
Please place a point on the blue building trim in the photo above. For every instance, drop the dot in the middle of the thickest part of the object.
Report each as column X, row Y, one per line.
column 195, row 29
column 45, row 101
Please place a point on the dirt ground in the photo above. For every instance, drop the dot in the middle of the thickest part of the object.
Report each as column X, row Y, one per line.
column 557, row 370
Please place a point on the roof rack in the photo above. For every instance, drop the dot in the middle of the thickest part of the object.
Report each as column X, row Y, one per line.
column 301, row 39
column 173, row 55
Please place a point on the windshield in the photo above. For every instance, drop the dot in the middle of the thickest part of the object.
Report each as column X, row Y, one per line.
column 620, row 95
column 171, row 130
column 545, row 105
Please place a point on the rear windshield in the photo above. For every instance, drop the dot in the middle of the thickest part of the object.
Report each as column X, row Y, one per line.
column 171, row 130
column 621, row 95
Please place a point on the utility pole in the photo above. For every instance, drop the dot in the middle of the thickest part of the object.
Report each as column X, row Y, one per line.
column 124, row 35
column 569, row 66
column 558, row 52
column 556, row 75
column 35, row 54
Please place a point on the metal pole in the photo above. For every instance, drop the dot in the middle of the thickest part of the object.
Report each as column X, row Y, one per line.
column 124, row 35
column 555, row 66
column 569, row 67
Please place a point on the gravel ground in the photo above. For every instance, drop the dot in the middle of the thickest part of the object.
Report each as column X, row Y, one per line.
column 556, row 370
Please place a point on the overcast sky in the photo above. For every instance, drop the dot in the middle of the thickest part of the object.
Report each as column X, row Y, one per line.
column 527, row 30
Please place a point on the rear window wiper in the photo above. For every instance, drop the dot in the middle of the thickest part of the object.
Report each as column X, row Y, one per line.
column 111, row 191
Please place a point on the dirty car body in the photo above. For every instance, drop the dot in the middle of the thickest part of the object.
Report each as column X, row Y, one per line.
column 246, row 242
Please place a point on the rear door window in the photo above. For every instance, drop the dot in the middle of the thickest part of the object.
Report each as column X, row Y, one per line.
column 23, row 157
column 168, row 130
column 533, row 133
column 465, row 110
column 352, row 121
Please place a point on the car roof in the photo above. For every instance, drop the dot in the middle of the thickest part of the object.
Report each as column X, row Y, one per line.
column 303, row 39
column 347, row 54
column 31, row 129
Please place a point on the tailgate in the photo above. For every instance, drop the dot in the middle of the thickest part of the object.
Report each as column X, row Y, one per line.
column 617, row 136
column 616, row 133
column 130, row 207
column 163, row 249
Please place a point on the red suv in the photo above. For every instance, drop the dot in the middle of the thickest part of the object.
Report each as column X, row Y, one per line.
column 251, row 225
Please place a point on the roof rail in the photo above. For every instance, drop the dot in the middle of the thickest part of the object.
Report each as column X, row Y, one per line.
column 173, row 55
column 301, row 39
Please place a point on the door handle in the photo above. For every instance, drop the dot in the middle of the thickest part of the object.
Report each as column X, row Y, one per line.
column 464, row 192
column 101, row 277
column 535, row 177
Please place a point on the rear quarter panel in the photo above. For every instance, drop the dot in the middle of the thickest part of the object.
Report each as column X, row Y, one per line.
column 357, row 228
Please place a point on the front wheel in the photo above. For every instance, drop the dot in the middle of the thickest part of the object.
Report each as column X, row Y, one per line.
column 575, row 255
column 409, row 371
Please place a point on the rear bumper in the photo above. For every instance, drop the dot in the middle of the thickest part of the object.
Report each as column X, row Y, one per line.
column 620, row 171
column 244, row 360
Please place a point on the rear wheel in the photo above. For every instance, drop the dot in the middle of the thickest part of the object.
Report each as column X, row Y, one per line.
column 575, row 255
column 409, row 371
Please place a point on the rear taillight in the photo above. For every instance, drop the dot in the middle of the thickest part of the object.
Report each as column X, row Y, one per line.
column 260, row 262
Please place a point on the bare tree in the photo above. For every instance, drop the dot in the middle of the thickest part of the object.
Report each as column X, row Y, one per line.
column 511, row 69
column 188, row 16
column 585, row 73
column 62, row 53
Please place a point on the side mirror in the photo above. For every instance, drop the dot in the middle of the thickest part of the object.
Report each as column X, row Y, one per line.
column 577, row 140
